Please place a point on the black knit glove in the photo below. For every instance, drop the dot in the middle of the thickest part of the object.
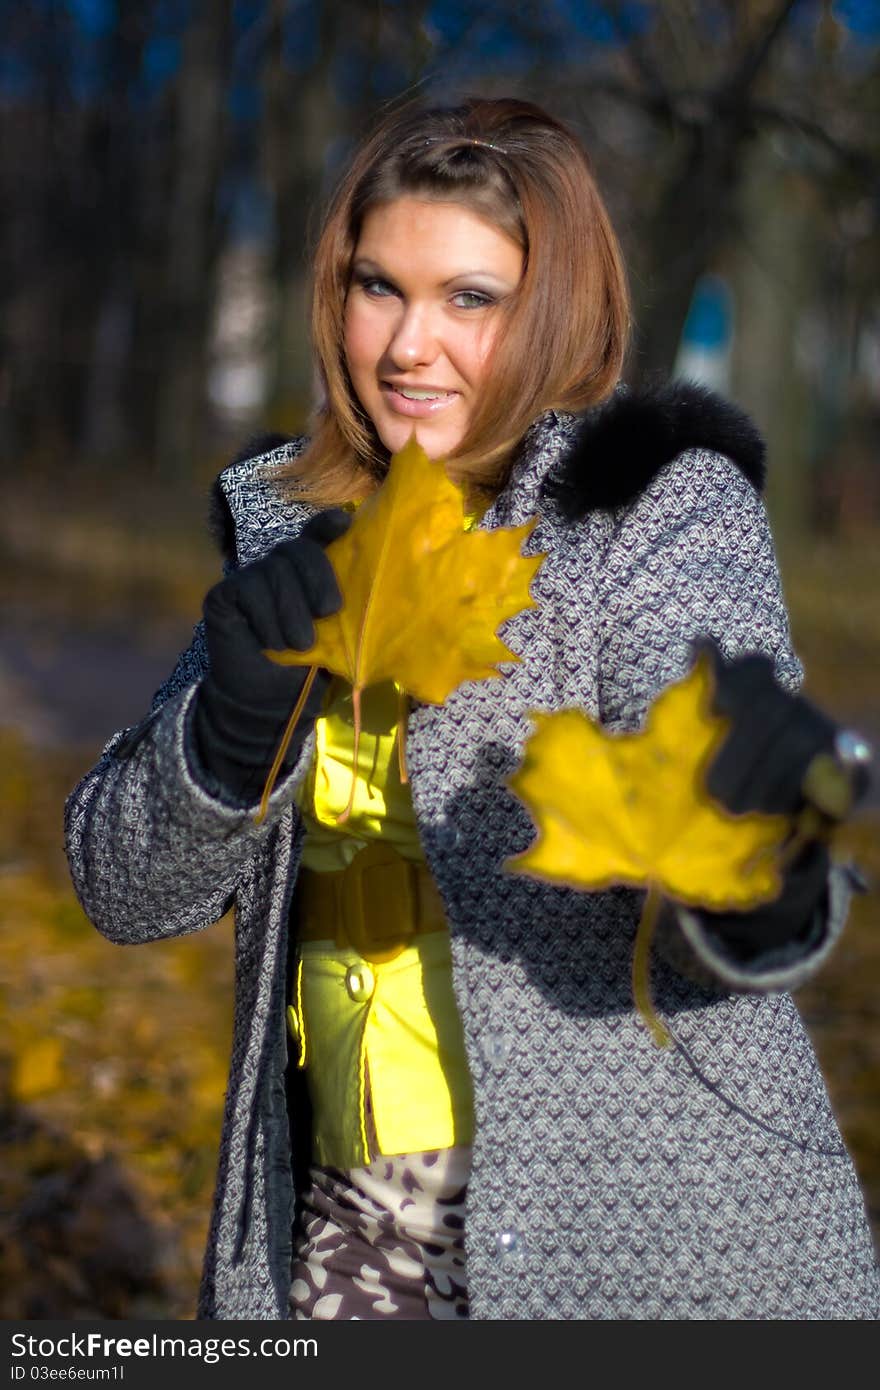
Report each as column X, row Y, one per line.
column 245, row 700
column 763, row 765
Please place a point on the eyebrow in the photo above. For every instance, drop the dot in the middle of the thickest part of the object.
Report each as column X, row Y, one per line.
column 363, row 265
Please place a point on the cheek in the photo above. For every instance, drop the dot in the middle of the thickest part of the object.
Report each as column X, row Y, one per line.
column 476, row 351
column 360, row 340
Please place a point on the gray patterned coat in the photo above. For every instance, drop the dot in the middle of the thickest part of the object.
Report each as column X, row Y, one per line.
column 610, row 1179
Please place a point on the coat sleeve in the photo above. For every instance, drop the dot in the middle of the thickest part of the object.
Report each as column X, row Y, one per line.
column 692, row 557
column 153, row 852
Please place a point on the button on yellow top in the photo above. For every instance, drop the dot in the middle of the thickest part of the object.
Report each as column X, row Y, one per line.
column 360, row 983
column 390, row 1032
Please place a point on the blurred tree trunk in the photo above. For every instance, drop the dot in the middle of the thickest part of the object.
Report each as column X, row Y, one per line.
column 779, row 278
column 117, row 157
column 192, row 243
column 71, row 237
column 691, row 225
column 712, row 124
column 36, row 150
column 301, row 118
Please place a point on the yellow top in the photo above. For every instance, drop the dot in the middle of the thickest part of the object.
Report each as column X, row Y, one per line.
column 382, row 806
column 382, row 1044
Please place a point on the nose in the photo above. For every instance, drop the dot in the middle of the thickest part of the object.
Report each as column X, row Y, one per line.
column 414, row 342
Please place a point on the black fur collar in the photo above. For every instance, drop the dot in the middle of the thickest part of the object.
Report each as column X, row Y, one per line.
column 624, row 443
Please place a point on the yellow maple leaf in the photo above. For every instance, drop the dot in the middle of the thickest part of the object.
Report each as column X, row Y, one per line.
column 633, row 809
column 422, row 597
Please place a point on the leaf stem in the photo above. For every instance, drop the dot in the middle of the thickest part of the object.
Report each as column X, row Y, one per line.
column 641, row 969
column 284, row 745
column 402, row 713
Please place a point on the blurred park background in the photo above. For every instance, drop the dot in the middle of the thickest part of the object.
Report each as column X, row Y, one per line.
column 162, row 163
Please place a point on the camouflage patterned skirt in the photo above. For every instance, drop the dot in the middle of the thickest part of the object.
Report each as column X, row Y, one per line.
column 385, row 1241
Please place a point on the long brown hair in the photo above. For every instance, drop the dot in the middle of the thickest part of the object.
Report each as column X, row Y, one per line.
column 567, row 324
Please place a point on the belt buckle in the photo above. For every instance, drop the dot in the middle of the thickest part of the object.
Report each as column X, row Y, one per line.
column 380, row 915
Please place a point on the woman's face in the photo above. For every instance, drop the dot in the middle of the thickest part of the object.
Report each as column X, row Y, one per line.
column 422, row 315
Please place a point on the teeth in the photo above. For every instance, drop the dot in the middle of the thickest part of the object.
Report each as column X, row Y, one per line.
column 413, row 395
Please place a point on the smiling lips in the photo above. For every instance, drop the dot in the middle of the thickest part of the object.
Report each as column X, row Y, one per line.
column 417, row 401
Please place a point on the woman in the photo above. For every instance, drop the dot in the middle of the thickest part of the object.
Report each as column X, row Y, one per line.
column 469, row 290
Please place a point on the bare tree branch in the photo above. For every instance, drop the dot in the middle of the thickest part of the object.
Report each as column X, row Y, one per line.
column 756, row 54
column 638, row 55
column 862, row 162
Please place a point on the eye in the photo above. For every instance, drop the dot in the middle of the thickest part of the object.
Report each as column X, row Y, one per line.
column 376, row 288
column 472, row 299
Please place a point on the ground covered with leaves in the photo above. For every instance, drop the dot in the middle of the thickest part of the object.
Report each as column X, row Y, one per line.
column 112, row 1073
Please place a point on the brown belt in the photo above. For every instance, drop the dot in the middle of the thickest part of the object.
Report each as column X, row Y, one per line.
column 376, row 906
